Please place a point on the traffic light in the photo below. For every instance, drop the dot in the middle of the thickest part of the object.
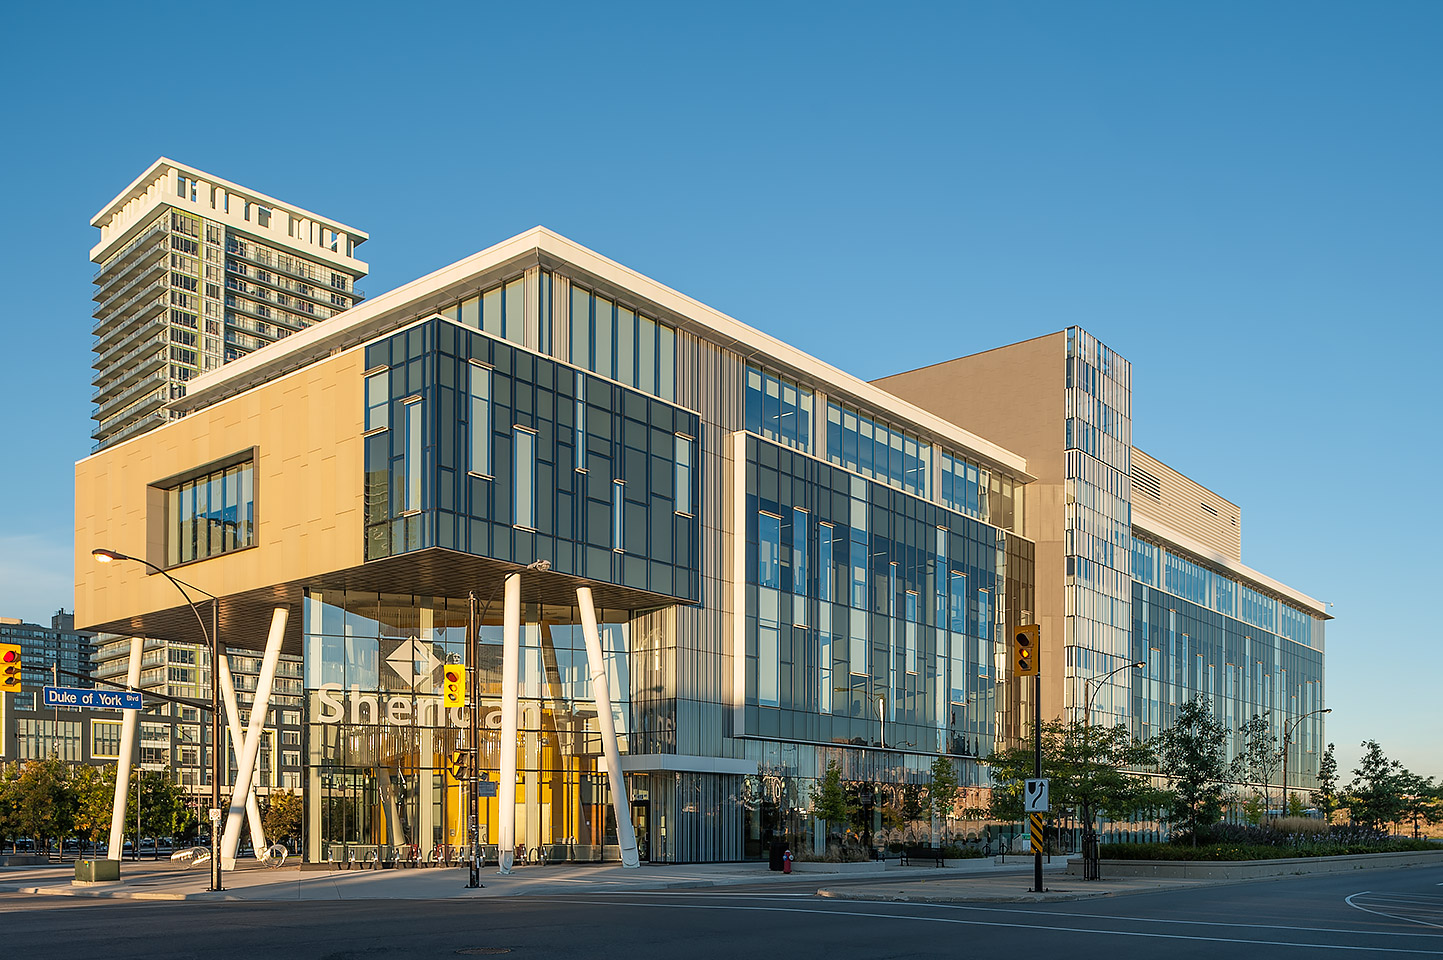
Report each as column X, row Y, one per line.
column 453, row 685
column 1026, row 651
column 9, row 668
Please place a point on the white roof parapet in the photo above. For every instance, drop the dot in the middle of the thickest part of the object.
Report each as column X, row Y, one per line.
column 539, row 245
column 1213, row 558
column 149, row 175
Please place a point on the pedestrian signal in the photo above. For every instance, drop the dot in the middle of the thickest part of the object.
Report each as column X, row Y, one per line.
column 9, row 668
column 1026, row 651
column 453, row 685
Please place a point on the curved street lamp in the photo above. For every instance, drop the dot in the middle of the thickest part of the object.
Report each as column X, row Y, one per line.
column 1288, row 727
column 212, row 639
column 1089, row 836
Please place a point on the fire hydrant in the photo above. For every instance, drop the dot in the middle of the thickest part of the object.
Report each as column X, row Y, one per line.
column 787, row 862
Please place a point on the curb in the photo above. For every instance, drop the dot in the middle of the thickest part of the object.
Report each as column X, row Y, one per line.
column 1047, row 897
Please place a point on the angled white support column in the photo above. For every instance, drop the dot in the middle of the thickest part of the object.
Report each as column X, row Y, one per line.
column 252, row 744
column 601, row 693
column 129, row 724
column 232, row 722
column 510, row 695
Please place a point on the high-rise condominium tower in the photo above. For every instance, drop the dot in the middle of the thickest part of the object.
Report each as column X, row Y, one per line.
column 196, row 271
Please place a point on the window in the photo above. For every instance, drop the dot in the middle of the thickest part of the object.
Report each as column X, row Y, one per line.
column 524, row 479
column 581, row 421
column 799, row 567
column 411, row 495
column 683, row 474
column 910, row 638
column 377, row 399
column 478, row 426
column 211, row 514
column 263, row 215
column 779, row 409
column 618, row 502
column 617, row 342
column 105, row 739
column 769, row 550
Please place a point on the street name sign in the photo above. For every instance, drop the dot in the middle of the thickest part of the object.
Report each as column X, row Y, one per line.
column 95, row 699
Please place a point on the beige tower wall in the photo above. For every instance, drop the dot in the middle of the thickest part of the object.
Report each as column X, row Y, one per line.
column 306, row 432
column 1162, row 494
column 1016, row 396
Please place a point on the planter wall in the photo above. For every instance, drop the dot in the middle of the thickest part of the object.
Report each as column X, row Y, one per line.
column 1250, row 869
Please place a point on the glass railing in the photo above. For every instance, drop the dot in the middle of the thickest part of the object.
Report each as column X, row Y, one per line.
column 119, row 295
column 130, row 367
column 160, row 224
column 117, row 320
column 128, row 398
column 126, row 345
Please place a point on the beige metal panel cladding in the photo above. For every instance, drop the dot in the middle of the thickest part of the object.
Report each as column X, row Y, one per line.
column 1160, row 492
column 306, row 429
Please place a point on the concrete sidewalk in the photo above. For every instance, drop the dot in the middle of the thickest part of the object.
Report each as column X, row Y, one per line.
column 969, row 880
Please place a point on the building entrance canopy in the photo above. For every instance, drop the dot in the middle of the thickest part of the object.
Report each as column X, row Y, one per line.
column 432, row 572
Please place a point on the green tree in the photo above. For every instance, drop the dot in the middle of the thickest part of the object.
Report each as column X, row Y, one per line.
column 912, row 807
column 94, row 789
column 1258, row 757
column 942, row 791
column 1088, row 767
column 1420, row 798
column 1375, row 795
column 1295, row 806
column 9, row 803
column 1193, row 756
column 829, row 797
column 1325, row 798
column 283, row 817
column 44, row 800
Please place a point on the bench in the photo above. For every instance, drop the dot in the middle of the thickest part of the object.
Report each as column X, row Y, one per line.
column 920, row 853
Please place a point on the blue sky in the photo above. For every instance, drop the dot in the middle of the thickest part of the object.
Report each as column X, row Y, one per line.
column 1242, row 199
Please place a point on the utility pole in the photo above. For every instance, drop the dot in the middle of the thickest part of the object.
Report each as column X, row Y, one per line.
column 473, row 657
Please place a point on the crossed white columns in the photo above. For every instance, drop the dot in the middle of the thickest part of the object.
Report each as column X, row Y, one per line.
column 247, row 742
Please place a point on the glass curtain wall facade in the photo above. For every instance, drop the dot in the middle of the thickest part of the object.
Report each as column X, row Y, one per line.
column 1097, row 533
column 380, row 754
column 1251, row 654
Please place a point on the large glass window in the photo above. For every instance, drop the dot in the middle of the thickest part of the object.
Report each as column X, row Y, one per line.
column 211, row 514
column 769, row 550
column 478, row 426
column 779, row 409
column 617, row 342
column 524, row 479
column 618, row 515
column 875, row 450
column 497, row 311
column 411, row 496
column 683, row 474
column 799, row 567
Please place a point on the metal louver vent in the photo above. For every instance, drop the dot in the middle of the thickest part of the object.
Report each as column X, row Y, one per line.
column 1147, row 482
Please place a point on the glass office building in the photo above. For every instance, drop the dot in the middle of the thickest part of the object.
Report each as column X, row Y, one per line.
column 787, row 566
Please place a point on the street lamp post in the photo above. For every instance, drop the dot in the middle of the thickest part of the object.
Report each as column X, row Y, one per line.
column 1090, row 857
column 1288, row 727
column 212, row 638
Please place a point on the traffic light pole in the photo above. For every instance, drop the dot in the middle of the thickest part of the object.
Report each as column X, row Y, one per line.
column 1037, row 768
column 473, row 657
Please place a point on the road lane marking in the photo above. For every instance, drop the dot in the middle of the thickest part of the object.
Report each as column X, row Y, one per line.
column 1378, row 913
column 1050, row 913
column 1019, row 926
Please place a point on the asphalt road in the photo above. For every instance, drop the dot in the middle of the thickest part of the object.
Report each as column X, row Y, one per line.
column 1395, row 913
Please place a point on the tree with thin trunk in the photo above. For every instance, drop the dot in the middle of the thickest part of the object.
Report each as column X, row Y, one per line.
column 1192, row 754
column 1325, row 798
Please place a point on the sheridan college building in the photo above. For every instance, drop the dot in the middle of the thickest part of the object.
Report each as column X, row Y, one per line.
column 694, row 553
